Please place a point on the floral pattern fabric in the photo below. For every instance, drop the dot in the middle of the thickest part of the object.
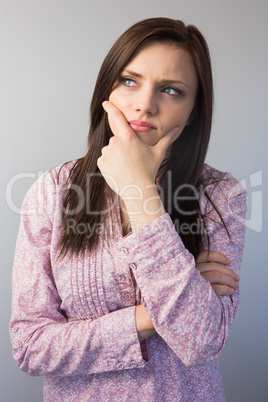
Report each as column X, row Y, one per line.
column 73, row 319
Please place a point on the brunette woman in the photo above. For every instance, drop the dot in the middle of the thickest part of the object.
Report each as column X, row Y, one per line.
column 127, row 260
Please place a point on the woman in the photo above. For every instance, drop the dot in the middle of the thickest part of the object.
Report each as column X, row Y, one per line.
column 127, row 260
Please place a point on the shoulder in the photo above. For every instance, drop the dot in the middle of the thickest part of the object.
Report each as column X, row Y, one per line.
column 221, row 193
column 47, row 187
column 220, row 184
column 57, row 176
column 60, row 174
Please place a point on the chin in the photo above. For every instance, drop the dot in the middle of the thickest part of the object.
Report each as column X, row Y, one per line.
column 146, row 140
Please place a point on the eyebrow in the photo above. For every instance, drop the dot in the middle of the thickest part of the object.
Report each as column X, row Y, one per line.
column 166, row 82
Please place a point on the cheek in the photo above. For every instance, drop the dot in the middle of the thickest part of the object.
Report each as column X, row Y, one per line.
column 175, row 119
column 112, row 97
column 116, row 99
column 180, row 116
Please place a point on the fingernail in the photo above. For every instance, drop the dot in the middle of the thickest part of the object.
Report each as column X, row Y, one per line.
column 237, row 277
column 104, row 104
column 229, row 261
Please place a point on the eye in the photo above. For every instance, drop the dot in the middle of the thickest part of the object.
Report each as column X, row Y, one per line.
column 128, row 82
column 172, row 91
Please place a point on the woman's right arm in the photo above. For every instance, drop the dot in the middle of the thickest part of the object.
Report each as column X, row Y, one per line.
column 44, row 341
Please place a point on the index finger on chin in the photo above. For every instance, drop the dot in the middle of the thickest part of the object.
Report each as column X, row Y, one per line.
column 117, row 120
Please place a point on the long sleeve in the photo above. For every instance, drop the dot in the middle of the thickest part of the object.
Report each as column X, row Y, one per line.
column 45, row 341
column 184, row 309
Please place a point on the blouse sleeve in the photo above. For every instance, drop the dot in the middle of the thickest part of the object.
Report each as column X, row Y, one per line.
column 184, row 309
column 44, row 340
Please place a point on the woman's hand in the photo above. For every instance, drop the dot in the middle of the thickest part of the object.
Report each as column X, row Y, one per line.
column 130, row 166
column 127, row 163
column 212, row 266
column 144, row 323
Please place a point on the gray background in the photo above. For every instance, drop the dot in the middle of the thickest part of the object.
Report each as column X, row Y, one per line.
column 51, row 51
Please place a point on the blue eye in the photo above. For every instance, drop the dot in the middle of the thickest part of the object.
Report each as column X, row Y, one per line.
column 128, row 82
column 172, row 91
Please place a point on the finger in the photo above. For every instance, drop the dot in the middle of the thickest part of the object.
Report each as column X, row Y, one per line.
column 214, row 256
column 213, row 266
column 222, row 290
column 166, row 140
column 117, row 120
column 220, row 279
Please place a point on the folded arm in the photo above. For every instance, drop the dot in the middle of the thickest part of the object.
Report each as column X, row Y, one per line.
column 182, row 305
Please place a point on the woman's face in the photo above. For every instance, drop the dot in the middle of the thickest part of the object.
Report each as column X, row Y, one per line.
column 156, row 91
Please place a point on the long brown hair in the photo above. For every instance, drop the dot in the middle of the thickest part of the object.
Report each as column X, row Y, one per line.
column 188, row 151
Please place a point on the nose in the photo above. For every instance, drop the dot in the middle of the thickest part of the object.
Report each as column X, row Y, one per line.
column 146, row 102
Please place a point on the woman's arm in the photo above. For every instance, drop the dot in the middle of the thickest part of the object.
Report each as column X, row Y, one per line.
column 184, row 309
column 133, row 165
column 211, row 266
column 44, row 340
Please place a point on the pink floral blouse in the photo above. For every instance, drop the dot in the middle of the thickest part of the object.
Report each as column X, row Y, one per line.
column 73, row 320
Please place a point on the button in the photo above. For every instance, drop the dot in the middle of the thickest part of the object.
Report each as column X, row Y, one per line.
column 127, row 296
column 123, row 278
column 120, row 365
column 133, row 363
column 132, row 266
column 125, row 251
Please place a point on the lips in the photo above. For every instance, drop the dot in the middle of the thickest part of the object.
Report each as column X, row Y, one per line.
column 138, row 125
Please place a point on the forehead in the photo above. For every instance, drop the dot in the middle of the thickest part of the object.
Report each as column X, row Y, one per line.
column 166, row 60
